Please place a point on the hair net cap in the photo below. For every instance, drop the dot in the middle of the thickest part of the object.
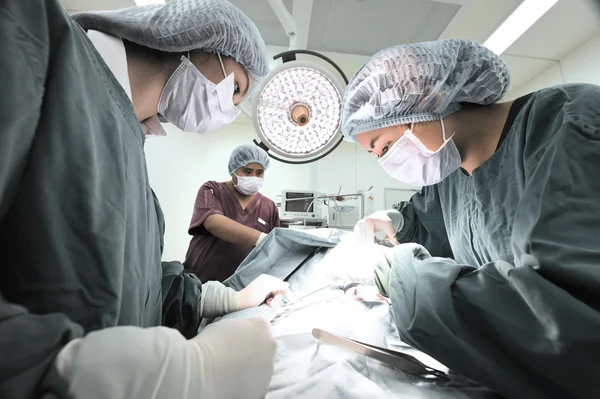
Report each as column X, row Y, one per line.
column 214, row 26
column 421, row 82
column 246, row 154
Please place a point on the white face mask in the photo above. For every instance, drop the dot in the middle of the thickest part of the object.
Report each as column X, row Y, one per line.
column 410, row 162
column 248, row 185
column 195, row 104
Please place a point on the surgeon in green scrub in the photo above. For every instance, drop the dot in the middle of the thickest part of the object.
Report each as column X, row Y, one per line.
column 87, row 308
column 497, row 271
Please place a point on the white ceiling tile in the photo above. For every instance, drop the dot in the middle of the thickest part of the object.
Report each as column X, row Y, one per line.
column 266, row 21
column 478, row 19
column 563, row 28
column 366, row 26
column 363, row 27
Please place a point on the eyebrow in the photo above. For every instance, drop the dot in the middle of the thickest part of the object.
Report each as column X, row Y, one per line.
column 373, row 140
column 247, row 82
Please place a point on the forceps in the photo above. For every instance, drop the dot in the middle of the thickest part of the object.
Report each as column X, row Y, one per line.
column 287, row 307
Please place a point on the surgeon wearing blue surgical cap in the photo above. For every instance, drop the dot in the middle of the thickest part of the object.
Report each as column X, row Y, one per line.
column 497, row 271
column 87, row 307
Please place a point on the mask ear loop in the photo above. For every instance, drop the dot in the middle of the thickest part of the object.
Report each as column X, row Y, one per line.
column 222, row 66
column 443, row 129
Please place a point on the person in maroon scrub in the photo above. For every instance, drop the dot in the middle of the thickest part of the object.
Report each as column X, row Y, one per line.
column 230, row 218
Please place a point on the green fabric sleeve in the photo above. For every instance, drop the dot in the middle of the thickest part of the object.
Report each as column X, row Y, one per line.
column 29, row 343
column 383, row 270
column 528, row 329
column 181, row 291
column 423, row 222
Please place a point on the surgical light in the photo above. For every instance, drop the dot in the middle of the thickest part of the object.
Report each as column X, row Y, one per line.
column 297, row 113
column 517, row 23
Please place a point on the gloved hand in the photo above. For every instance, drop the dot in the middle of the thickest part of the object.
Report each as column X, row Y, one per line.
column 226, row 350
column 261, row 289
column 261, row 238
column 388, row 222
column 132, row 362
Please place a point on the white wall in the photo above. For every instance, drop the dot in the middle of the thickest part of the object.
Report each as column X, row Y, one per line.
column 181, row 162
column 580, row 66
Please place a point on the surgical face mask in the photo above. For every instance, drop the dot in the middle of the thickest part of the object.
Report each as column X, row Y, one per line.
column 248, row 185
column 195, row 104
column 409, row 161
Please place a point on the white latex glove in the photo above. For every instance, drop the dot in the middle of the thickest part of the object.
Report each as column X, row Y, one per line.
column 264, row 287
column 388, row 222
column 351, row 262
column 261, row 238
column 132, row 362
column 237, row 357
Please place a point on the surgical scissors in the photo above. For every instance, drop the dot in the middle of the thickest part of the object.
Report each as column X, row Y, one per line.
column 399, row 360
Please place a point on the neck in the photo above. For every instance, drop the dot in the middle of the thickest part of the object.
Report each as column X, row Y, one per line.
column 149, row 71
column 478, row 131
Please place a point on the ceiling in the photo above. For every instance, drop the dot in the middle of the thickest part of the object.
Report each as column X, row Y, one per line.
column 358, row 27
column 362, row 27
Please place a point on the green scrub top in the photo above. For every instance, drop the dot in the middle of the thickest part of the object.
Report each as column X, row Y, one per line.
column 80, row 228
column 505, row 284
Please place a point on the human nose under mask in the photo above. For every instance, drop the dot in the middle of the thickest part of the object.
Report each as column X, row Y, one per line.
column 249, row 185
column 411, row 162
column 193, row 103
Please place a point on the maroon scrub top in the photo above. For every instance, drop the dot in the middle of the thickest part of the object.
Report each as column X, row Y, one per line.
column 211, row 258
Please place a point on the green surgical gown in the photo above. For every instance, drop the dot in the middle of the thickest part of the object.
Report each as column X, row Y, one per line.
column 508, row 289
column 80, row 229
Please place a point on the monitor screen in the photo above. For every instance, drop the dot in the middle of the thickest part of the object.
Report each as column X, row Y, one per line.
column 300, row 205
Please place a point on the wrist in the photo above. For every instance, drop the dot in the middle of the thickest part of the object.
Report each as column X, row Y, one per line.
column 396, row 218
column 260, row 239
column 218, row 300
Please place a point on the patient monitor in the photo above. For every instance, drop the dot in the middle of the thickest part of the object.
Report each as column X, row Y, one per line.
column 301, row 205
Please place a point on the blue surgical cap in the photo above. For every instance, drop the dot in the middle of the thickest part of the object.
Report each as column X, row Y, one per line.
column 421, row 82
column 246, row 154
column 214, row 26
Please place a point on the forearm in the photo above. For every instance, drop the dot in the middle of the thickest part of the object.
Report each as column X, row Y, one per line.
column 231, row 231
column 106, row 363
column 218, row 300
column 29, row 344
column 132, row 362
column 422, row 222
column 506, row 327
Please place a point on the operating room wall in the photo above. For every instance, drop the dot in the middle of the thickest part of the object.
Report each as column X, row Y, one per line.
column 582, row 65
column 181, row 162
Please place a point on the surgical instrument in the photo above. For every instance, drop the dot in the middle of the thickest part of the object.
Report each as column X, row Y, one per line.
column 283, row 310
column 399, row 360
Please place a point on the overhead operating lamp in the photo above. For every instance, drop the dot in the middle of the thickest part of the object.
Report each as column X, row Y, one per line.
column 297, row 112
